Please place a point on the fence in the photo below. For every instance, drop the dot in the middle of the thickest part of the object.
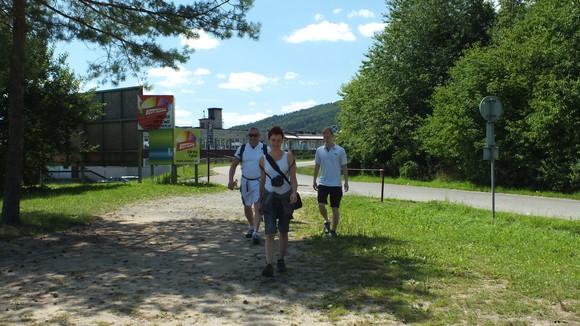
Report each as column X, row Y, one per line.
column 382, row 173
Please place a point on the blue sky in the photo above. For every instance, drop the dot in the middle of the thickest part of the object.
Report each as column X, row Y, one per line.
column 306, row 51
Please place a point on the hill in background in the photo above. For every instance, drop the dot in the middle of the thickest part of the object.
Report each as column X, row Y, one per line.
column 313, row 119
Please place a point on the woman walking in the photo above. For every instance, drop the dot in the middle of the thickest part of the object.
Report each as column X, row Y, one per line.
column 277, row 195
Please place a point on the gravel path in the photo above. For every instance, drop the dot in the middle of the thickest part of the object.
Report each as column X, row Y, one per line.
column 175, row 261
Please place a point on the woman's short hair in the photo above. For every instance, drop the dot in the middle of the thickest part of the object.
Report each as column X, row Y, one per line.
column 275, row 131
column 328, row 129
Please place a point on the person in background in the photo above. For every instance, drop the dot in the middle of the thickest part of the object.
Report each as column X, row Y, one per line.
column 331, row 160
column 249, row 155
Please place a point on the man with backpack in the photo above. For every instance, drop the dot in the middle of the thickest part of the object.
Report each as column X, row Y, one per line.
column 249, row 155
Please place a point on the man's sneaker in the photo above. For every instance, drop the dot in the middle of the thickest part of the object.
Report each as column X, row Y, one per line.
column 333, row 234
column 268, row 271
column 255, row 238
column 281, row 265
column 326, row 227
column 249, row 233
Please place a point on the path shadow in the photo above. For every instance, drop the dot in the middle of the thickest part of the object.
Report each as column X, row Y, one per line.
column 374, row 275
column 200, row 264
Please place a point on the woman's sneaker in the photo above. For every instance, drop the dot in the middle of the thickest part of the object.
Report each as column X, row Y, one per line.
column 326, row 227
column 281, row 265
column 256, row 238
column 268, row 271
column 249, row 233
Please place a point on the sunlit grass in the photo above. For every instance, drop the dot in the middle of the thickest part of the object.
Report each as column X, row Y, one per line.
column 60, row 206
column 443, row 263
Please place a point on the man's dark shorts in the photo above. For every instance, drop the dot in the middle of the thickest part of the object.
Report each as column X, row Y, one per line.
column 335, row 195
column 277, row 213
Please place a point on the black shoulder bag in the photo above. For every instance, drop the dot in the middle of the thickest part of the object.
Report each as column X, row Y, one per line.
column 298, row 203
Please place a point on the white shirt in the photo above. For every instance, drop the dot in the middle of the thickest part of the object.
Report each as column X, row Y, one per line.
column 283, row 165
column 250, row 160
column 331, row 162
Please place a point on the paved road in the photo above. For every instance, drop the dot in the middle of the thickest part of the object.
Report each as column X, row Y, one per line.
column 527, row 205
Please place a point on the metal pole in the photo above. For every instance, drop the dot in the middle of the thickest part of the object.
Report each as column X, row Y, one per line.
column 492, row 184
column 382, row 184
column 140, row 157
column 196, row 173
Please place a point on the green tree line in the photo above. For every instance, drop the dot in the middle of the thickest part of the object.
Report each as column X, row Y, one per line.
column 127, row 31
column 413, row 104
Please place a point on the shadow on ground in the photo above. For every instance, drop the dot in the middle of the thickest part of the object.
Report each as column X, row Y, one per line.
column 197, row 264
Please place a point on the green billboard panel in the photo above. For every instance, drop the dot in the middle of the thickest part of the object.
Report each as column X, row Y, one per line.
column 161, row 147
column 187, row 146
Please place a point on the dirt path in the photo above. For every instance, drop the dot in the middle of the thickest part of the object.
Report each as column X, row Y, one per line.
column 175, row 261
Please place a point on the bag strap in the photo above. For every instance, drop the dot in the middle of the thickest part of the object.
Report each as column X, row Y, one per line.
column 277, row 168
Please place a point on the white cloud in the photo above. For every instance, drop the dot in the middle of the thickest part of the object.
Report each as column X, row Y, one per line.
column 296, row 106
column 365, row 13
column 323, row 31
column 170, row 77
column 251, row 103
column 370, row 29
column 337, row 11
column 318, row 17
column 221, row 76
column 245, row 81
column 183, row 118
column 203, row 42
column 290, row 75
column 233, row 118
column 187, row 91
column 202, row 72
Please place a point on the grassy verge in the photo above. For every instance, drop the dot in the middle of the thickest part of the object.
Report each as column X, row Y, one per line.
column 61, row 206
column 438, row 183
column 439, row 263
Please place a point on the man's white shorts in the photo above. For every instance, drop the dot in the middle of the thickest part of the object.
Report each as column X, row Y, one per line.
column 250, row 190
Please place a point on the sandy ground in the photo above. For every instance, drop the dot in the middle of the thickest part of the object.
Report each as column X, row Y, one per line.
column 175, row 261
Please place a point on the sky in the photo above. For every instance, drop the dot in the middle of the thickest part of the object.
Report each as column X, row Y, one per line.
column 306, row 50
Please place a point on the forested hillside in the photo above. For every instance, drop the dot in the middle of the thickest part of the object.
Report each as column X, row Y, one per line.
column 313, row 119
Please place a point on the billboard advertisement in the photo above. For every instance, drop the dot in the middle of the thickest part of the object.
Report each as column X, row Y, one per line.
column 155, row 112
column 187, row 146
column 161, row 147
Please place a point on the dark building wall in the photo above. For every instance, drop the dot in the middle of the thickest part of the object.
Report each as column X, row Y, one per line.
column 115, row 135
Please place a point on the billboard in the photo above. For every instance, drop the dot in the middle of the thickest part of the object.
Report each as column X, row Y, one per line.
column 187, row 146
column 161, row 147
column 155, row 112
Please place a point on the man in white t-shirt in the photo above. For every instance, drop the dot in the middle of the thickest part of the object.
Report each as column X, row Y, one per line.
column 249, row 155
column 331, row 159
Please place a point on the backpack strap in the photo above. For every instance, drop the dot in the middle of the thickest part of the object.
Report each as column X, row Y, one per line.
column 242, row 149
